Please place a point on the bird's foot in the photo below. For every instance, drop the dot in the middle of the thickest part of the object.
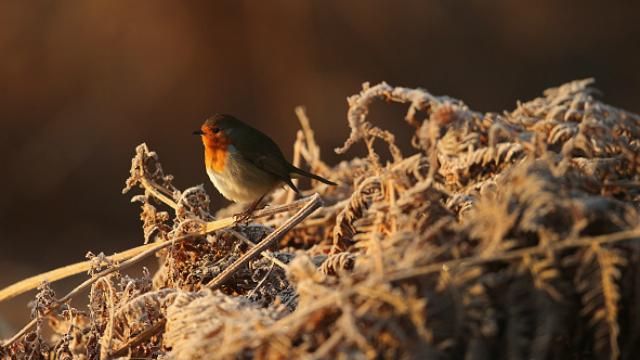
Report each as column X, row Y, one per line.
column 243, row 217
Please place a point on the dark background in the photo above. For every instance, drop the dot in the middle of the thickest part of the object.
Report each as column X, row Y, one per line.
column 83, row 82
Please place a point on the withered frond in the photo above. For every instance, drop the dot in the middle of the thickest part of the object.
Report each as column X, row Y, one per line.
column 511, row 235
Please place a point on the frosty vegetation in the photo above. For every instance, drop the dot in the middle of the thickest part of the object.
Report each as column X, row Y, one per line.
column 511, row 235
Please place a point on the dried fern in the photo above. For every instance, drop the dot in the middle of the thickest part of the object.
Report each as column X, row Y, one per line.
column 509, row 235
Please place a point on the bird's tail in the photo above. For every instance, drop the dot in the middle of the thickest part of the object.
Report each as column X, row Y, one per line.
column 297, row 172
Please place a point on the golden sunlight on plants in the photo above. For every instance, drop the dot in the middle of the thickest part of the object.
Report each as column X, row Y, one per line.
column 502, row 235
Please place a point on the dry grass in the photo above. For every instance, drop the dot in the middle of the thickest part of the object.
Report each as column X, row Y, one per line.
column 508, row 235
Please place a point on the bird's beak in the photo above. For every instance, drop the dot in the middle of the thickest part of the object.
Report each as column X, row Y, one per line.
column 198, row 132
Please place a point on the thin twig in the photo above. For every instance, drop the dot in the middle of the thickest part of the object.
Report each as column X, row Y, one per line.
column 283, row 208
column 152, row 187
column 138, row 339
column 257, row 287
column 335, row 296
column 33, row 282
column 312, row 203
column 474, row 260
column 96, row 277
column 264, row 254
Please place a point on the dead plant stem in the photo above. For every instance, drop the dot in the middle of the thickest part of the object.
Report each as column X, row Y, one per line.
column 312, row 203
column 141, row 252
column 516, row 254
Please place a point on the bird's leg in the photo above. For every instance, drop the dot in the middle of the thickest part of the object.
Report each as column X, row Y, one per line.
column 245, row 215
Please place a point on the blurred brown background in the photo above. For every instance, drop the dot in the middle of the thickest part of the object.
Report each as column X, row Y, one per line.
column 83, row 82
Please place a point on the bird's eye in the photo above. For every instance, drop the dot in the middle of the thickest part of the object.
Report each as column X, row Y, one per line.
column 215, row 130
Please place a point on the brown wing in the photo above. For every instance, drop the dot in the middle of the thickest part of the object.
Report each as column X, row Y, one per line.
column 263, row 152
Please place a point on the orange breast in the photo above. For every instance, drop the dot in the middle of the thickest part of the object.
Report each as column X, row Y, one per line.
column 215, row 154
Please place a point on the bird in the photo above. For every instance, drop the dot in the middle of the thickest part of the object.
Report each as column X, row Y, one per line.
column 244, row 164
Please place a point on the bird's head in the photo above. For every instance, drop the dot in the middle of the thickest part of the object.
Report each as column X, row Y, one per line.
column 216, row 130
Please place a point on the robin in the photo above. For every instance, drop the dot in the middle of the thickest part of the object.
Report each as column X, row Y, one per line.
column 243, row 163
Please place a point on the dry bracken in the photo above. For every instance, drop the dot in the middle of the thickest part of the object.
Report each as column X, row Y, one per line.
column 511, row 235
